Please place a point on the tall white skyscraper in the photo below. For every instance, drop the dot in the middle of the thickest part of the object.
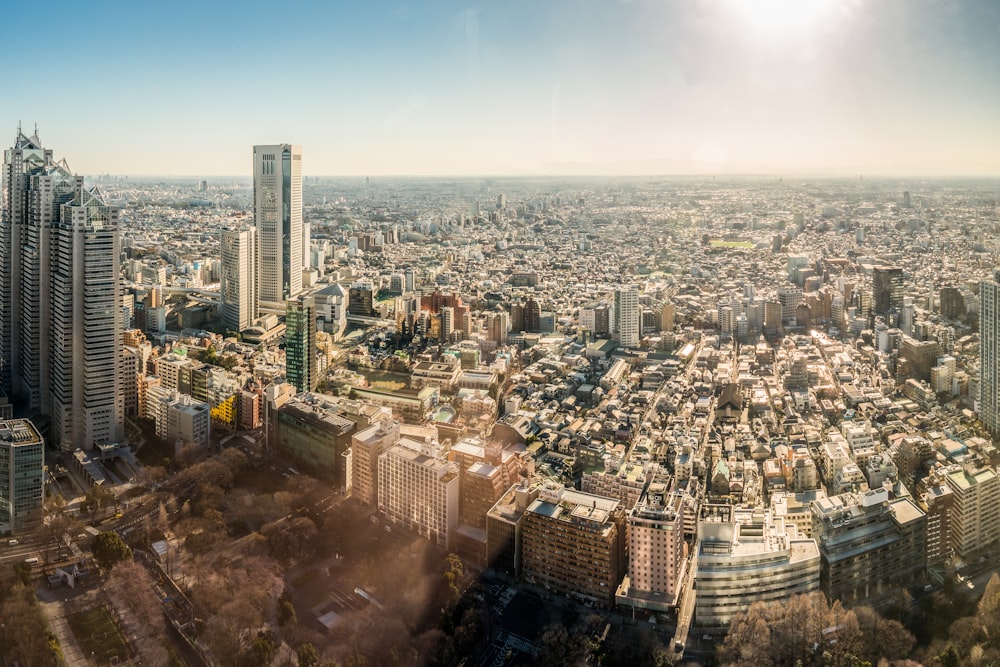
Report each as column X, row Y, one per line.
column 277, row 197
column 989, row 353
column 239, row 289
column 627, row 316
column 60, row 300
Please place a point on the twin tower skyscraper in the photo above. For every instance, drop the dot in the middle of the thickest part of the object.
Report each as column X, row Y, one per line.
column 60, row 299
column 262, row 264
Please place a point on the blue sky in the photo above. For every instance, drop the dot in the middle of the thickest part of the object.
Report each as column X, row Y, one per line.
column 574, row 86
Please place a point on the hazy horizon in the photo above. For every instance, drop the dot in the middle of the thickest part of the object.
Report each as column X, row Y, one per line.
column 636, row 88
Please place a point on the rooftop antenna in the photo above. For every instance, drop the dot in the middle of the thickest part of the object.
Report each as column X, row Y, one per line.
column 19, row 127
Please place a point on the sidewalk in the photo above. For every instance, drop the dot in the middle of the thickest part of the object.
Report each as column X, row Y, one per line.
column 54, row 612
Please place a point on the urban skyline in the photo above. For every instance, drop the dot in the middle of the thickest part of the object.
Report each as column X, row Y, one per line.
column 525, row 88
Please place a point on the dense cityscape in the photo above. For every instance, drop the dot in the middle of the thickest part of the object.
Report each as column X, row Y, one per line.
column 286, row 419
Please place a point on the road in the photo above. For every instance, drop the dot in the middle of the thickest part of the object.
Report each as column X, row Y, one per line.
column 685, row 611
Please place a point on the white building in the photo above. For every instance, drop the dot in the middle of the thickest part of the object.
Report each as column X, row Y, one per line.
column 752, row 557
column 989, row 353
column 418, row 489
column 627, row 316
column 238, row 288
column 277, row 196
column 180, row 418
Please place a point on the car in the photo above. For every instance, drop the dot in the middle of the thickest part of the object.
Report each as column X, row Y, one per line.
column 678, row 647
column 970, row 584
column 12, row 543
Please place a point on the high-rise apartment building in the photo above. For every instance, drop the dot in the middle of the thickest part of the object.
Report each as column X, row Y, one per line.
column 300, row 343
column 366, row 448
column 627, row 316
column 277, row 199
column 60, row 301
column 419, row 489
column 657, row 551
column 989, row 353
column 574, row 543
column 239, row 290
column 975, row 510
column 22, row 476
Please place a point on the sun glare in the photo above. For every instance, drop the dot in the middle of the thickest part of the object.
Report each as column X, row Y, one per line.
column 779, row 17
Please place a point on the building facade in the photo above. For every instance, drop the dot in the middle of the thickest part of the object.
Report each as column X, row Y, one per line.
column 419, row 490
column 989, row 353
column 868, row 543
column 277, row 196
column 746, row 557
column 60, row 302
column 657, row 550
column 300, row 343
column 22, row 476
column 626, row 316
column 574, row 543
column 238, row 289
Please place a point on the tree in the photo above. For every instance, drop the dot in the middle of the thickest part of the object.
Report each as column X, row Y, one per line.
column 308, row 655
column 110, row 549
column 98, row 497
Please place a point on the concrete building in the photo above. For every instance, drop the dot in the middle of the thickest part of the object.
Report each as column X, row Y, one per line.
column 419, row 490
column 744, row 557
column 180, row 418
column 626, row 325
column 574, row 543
column 975, row 510
column 277, row 199
column 239, row 289
column 657, row 551
column 22, row 476
column 869, row 544
column 989, row 353
column 315, row 431
column 504, row 522
column 366, row 448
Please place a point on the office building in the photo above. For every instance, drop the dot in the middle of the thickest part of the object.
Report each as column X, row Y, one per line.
column 300, row 343
column 744, row 557
column 626, row 316
column 989, row 353
column 887, row 289
column 277, row 199
column 22, row 476
column 314, row 430
column 573, row 543
column 60, row 302
column 419, row 490
column 238, row 289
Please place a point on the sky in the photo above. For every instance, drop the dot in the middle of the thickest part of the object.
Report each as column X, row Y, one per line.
column 902, row 87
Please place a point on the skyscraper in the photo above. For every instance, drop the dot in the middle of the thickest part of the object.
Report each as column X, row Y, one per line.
column 627, row 316
column 60, row 301
column 86, row 331
column 239, row 288
column 887, row 288
column 989, row 353
column 277, row 200
column 300, row 345
column 22, row 476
